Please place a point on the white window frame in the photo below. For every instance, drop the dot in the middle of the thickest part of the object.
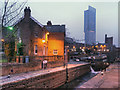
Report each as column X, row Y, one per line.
column 55, row 52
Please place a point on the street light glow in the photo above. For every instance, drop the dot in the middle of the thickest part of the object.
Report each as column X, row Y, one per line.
column 43, row 41
column 10, row 28
column 2, row 40
column 47, row 33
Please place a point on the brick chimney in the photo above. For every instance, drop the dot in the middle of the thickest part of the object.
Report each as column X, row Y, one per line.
column 27, row 12
column 49, row 23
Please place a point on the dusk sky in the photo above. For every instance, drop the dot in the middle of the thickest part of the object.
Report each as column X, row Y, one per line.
column 72, row 15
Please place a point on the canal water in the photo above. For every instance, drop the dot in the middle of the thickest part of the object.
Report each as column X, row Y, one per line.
column 78, row 81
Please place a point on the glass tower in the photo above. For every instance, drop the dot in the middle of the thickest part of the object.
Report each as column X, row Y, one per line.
column 90, row 25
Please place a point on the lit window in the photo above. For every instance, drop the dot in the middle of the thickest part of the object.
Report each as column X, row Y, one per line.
column 55, row 52
column 80, row 47
column 73, row 46
column 36, row 51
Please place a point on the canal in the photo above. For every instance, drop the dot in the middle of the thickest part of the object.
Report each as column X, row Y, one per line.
column 78, row 81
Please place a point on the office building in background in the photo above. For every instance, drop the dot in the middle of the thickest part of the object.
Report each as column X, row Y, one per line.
column 90, row 25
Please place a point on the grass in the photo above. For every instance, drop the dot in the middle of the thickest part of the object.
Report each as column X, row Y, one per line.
column 3, row 61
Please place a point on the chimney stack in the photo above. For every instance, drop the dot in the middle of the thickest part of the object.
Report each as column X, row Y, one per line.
column 27, row 12
column 49, row 23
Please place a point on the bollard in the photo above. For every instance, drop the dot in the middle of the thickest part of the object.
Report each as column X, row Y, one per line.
column 17, row 59
column 26, row 59
column 21, row 59
column 102, row 73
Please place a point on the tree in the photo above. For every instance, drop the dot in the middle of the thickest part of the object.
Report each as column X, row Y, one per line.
column 11, row 11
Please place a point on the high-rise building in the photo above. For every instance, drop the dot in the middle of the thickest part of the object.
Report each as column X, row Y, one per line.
column 90, row 25
column 109, row 42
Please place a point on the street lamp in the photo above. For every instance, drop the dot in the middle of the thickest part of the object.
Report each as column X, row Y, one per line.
column 43, row 41
column 10, row 28
column 2, row 40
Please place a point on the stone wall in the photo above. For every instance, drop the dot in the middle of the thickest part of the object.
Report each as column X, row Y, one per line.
column 50, row 80
column 77, row 71
column 26, row 67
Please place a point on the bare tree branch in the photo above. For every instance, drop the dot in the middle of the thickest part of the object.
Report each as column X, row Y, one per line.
column 16, row 9
column 11, row 6
column 16, row 14
column 6, row 3
column 11, row 12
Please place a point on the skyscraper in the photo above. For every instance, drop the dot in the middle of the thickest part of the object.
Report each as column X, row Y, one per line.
column 90, row 25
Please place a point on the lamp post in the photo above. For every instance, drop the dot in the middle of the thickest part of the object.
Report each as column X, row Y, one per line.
column 66, row 62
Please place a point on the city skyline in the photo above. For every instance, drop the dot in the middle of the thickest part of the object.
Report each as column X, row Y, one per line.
column 72, row 15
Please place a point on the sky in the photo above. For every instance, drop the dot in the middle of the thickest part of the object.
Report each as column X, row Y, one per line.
column 72, row 15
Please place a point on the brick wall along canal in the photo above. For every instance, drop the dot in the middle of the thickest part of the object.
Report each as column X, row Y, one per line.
column 78, row 81
column 49, row 78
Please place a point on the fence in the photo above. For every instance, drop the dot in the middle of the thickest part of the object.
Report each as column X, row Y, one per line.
column 26, row 59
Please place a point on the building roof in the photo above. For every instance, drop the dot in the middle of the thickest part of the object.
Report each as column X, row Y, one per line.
column 36, row 21
column 32, row 18
column 18, row 21
column 55, row 28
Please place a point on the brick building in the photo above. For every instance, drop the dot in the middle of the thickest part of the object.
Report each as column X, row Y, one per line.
column 38, row 39
column 56, row 39
column 32, row 34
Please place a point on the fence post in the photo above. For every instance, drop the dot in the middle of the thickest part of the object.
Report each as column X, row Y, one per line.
column 21, row 59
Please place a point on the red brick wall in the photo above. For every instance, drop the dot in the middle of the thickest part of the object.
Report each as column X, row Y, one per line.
column 27, row 33
column 26, row 67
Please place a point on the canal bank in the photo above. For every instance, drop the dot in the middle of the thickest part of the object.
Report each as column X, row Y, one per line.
column 107, row 79
column 48, row 78
column 78, row 81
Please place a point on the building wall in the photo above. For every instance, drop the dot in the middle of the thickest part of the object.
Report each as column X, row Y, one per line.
column 109, row 42
column 56, row 42
column 90, row 37
column 27, row 67
column 32, row 34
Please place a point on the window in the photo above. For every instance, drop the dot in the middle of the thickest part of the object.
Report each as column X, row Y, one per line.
column 36, row 34
column 55, row 52
column 36, row 51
